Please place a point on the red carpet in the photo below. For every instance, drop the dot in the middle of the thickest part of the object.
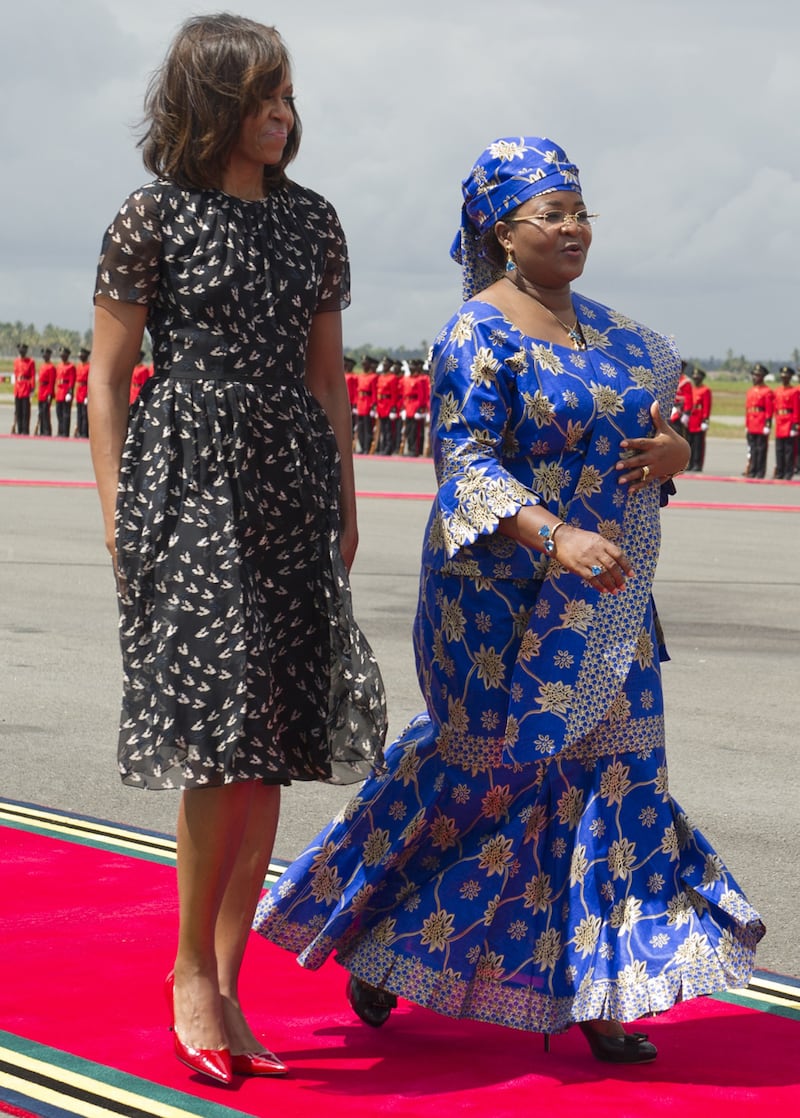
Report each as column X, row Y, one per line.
column 88, row 925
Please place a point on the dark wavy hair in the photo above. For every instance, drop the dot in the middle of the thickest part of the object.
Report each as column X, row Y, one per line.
column 217, row 71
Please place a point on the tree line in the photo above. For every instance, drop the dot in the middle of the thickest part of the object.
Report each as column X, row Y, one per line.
column 53, row 337
column 12, row 333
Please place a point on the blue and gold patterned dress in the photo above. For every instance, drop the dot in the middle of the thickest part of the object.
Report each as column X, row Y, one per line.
column 521, row 859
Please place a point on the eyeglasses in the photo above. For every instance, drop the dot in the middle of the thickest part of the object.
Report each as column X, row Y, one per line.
column 552, row 218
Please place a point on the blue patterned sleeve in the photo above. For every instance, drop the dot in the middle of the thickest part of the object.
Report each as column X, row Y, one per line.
column 473, row 389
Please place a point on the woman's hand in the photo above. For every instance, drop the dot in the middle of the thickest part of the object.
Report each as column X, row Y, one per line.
column 348, row 545
column 118, row 331
column 593, row 557
column 653, row 459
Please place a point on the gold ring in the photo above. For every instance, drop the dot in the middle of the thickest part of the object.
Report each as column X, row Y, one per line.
column 645, row 473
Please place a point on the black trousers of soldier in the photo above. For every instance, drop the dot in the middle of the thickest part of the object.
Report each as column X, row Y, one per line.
column 697, row 450
column 22, row 415
column 784, row 458
column 414, row 431
column 63, row 412
column 44, row 419
column 387, row 436
column 82, row 421
column 758, row 454
column 364, row 433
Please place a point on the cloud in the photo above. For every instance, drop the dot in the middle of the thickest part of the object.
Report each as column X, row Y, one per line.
column 681, row 116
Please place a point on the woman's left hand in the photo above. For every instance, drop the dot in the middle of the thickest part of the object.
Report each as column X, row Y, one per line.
column 653, row 459
column 348, row 545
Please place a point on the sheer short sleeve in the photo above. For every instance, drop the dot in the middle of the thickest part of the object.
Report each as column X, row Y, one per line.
column 130, row 257
column 334, row 291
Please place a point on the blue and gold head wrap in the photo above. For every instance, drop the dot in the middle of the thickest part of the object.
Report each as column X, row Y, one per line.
column 506, row 174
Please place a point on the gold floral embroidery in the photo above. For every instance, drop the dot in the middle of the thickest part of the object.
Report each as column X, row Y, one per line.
column 437, row 930
column 483, row 370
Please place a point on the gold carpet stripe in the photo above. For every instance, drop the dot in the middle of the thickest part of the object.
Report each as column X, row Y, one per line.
column 774, row 984
column 84, row 1083
column 64, row 1102
column 782, row 996
column 108, row 835
column 68, row 825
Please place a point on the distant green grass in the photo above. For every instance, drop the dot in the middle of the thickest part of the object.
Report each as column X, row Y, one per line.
column 728, row 400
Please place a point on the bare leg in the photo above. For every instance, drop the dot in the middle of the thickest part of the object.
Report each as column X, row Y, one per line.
column 210, row 832
column 238, row 907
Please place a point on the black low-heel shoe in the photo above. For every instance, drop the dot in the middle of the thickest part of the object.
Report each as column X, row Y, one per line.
column 369, row 1003
column 630, row 1048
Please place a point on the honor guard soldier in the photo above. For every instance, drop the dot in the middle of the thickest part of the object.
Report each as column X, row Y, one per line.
column 139, row 378
column 759, row 407
column 47, row 386
column 82, row 394
column 351, row 380
column 787, row 423
column 386, row 406
column 699, row 416
column 64, row 391
column 24, row 385
column 679, row 416
column 366, row 400
column 416, row 398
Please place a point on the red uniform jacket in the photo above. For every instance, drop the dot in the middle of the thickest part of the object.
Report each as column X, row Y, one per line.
column 47, row 381
column 65, row 381
column 787, row 410
column 24, row 377
column 759, row 407
column 351, row 380
column 683, row 398
column 81, row 383
column 367, row 392
column 700, row 409
column 416, row 395
column 139, row 377
column 388, row 394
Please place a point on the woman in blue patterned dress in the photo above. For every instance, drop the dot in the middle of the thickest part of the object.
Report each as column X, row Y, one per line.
column 228, row 499
column 521, row 859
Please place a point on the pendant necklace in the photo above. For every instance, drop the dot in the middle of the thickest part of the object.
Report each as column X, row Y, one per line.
column 573, row 332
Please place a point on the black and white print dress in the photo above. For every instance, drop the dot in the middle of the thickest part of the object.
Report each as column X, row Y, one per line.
column 241, row 658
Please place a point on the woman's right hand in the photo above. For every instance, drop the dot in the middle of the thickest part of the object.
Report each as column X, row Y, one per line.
column 582, row 552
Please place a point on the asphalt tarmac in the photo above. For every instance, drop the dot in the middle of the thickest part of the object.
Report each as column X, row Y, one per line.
column 728, row 593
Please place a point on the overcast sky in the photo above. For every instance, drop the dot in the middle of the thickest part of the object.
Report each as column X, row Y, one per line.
column 683, row 116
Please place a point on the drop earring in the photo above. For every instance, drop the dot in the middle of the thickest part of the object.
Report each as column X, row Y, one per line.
column 510, row 265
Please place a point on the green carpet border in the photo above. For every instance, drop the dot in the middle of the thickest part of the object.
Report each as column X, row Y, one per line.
column 102, row 834
column 83, row 1088
column 86, row 840
column 780, row 996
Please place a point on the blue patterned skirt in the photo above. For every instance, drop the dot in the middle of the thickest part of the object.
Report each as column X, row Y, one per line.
column 532, row 895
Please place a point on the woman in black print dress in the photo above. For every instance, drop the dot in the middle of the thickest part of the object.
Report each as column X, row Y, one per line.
column 228, row 499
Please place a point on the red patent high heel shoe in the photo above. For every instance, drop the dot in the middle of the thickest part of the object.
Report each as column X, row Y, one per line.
column 257, row 1063
column 214, row 1062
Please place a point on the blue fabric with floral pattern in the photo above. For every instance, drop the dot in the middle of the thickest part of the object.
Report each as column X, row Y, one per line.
column 521, row 859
